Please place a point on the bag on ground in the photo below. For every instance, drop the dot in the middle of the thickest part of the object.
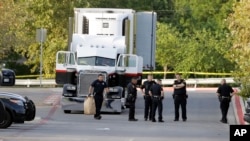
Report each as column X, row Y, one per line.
column 89, row 106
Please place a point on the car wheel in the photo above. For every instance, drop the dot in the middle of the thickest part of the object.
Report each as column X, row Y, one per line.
column 2, row 111
column 67, row 111
column 31, row 111
column 7, row 120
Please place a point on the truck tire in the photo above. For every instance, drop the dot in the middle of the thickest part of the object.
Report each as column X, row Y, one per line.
column 67, row 111
column 7, row 120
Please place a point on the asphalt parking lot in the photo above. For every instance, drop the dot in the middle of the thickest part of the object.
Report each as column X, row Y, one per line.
column 51, row 124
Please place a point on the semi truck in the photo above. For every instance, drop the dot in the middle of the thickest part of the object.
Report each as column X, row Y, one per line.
column 118, row 43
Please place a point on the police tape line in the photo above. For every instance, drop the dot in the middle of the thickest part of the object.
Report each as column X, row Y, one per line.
column 145, row 72
column 193, row 81
column 195, row 73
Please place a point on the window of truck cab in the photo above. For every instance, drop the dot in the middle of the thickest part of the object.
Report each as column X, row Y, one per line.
column 96, row 61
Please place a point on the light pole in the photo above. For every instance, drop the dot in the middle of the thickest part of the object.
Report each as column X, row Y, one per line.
column 152, row 38
column 41, row 37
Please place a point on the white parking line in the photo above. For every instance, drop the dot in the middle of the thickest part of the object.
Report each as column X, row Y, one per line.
column 37, row 118
column 103, row 129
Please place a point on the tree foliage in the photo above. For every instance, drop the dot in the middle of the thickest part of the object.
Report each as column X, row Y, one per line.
column 239, row 25
column 10, row 21
column 13, row 34
column 202, row 35
column 168, row 44
column 191, row 35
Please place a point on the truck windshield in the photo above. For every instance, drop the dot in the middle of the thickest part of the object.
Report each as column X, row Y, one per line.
column 96, row 61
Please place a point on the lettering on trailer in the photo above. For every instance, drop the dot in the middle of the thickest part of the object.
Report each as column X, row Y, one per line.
column 239, row 132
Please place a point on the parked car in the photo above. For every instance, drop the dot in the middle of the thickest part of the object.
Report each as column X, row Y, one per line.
column 2, row 111
column 16, row 109
column 247, row 114
column 7, row 77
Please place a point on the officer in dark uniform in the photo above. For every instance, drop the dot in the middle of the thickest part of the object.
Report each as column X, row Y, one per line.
column 131, row 98
column 157, row 95
column 180, row 97
column 224, row 92
column 148, row 100
column 98, row 86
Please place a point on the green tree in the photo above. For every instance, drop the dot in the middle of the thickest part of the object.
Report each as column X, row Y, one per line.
column 197, row 32
column 203, row 41
column 9, row 22
column 239, row 25
column 12, row 34
column 53, row 16
column 168, row 44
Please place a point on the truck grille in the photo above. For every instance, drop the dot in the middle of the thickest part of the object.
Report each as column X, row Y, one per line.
column 85, row 79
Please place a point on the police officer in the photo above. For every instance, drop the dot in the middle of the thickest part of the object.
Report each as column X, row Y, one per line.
column 180, row 97
column 98, row 86
column 131, row 98
column 148, row 100
column 224, row 92
column 157, row 95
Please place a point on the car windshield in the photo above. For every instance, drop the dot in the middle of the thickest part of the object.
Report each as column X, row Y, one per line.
column 96, row 61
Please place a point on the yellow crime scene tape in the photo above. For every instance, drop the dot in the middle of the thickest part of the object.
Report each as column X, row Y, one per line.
column 145, row 72
column 196, row 73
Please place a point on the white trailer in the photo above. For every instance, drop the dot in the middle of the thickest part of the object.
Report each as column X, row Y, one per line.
column 105, row 41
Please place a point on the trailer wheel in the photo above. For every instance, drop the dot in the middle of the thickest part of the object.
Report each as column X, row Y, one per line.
column 67, row 111
column 7, row 120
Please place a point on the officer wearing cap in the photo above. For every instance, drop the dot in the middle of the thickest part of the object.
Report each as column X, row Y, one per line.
column 157, row 95
column 97, row 88
column 180, row 97
column 224, row 92
column 148, row 100
column 131, row 98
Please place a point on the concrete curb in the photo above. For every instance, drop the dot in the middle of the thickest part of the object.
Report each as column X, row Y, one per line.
column 238, row 108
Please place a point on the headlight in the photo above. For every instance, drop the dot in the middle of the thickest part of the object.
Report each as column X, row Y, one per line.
column 116, row 96
column 68, row 94
column 17, row 101
column 113, row 90
column 71, row 87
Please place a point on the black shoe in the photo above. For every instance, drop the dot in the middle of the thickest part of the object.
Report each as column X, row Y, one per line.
column 98, row 118
column 133, row 119
column 145, row 119
column 161, row 121
column 184, row 120
column 176, row 119
column 223, row 121
column 153, row 120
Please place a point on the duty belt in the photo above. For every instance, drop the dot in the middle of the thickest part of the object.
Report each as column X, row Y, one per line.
column 225, row 96
column 156, row 96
